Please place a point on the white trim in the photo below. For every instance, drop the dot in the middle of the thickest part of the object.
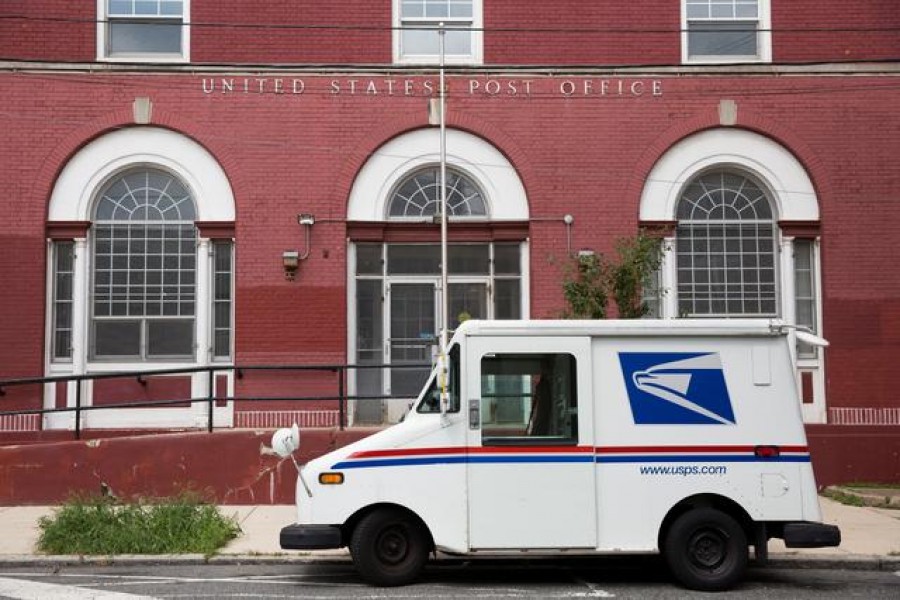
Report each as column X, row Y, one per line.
column 73, row 194
column 864, row 416
column 817, row 411
column 272, row 419
column 764, row 39
column 183, row 57
column 72, row 199
column 350, row 253
column 775, row 167
column 503, row 191
column 525, row 289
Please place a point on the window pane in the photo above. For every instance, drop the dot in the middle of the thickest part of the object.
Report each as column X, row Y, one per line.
column 507, row 299
column 467, row 301
column 368, row 259
column 369, row 306
column 170, row 338
column 506, row 259
column 707, row 38
column 805, row 292
column 117, row 339
column 64, row 265
column 222, row 344
column 409, row 259
column 144, row 38
column 426, row 42
column 528, row 398
column 469, row 259
column 412, row 8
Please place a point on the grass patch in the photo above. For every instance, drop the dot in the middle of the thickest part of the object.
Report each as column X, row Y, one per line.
column 101, row 525
column 843, row 497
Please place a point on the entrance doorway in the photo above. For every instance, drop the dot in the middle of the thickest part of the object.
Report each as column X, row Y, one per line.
column 397, row 308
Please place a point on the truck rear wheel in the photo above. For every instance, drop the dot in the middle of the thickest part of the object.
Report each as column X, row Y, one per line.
column 706, row 550
column 389, row 548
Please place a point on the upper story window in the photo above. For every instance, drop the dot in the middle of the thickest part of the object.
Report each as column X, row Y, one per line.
column 416, row 35
column 726, row 31
column 152, row 30
column 418, row 195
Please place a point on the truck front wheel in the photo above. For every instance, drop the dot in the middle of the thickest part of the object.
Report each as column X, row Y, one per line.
column 706, row 550
column 389, row 548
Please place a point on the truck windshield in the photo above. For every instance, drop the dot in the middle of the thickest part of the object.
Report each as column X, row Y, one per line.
column 431, row 399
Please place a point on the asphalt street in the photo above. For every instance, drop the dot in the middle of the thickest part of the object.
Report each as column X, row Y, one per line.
column 628, row 578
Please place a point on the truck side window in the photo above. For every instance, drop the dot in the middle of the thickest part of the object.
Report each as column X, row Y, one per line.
column 528, row 399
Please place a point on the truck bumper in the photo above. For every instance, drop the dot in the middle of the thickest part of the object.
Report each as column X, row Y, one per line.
column 310, row 537
column 803, row 534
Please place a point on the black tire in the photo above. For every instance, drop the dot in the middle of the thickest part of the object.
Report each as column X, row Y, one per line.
column 389, row 547
column 706, row 550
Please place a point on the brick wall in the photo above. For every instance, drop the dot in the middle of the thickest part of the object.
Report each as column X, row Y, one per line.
column 567, row 32
column 583, row 155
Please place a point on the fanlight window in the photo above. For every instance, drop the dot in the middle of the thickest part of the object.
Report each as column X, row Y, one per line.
column 726, row 248
column 144, row 278
column 419, row 196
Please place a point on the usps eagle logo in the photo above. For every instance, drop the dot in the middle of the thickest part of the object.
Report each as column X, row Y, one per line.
column 676, row 388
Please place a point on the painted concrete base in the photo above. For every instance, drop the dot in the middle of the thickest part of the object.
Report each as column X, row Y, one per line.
column 227, row 467
column 238, row 467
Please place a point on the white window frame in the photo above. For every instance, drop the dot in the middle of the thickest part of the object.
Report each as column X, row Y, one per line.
column 153, row 57
column 389, row 164
column 763, row 39
column 793, row 198
column 72, row 200
column 476, row 57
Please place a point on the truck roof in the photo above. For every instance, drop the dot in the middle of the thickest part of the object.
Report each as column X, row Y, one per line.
column 625, row 327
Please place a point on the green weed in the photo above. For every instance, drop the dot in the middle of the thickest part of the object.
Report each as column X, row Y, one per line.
column 101, row 525
column 843, row 497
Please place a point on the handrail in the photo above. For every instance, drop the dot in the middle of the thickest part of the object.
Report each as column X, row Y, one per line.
column 340, row 369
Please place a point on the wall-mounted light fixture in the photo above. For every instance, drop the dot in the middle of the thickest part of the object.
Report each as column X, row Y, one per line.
column 306, row 221
column 568, row 220
column 290, row 259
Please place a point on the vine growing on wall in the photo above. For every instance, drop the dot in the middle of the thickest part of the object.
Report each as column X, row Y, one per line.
column 593, row 279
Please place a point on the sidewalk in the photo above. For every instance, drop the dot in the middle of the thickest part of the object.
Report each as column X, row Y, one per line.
column 870, row 540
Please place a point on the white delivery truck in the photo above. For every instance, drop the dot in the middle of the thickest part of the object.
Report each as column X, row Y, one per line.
column 680, row 437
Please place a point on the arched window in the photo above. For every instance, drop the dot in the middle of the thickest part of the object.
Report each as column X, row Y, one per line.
column 418, row 195
column 725, row 244
column 740, row 220
column 143, row 301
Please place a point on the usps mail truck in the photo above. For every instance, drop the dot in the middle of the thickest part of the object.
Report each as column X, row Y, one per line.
column 679, row 437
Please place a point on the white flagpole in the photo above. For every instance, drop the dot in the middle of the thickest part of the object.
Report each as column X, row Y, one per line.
column 445, row 295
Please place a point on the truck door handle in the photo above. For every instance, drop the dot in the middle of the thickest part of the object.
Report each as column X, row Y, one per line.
column 474, row 413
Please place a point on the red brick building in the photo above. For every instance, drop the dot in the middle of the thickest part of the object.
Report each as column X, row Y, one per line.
column 164, row 161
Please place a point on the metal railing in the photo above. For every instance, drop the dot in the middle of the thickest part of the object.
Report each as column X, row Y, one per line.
column 211, row 398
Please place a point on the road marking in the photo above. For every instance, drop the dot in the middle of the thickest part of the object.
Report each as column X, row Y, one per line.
column 595, row 592
column 23, row 589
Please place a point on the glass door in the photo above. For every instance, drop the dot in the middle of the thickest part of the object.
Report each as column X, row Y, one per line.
column 467, row 301
column 413, row 333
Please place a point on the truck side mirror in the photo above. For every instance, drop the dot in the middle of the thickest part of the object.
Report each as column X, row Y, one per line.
column 286, row 441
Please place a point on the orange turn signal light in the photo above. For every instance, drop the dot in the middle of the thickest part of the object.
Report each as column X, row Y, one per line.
column 331, row 478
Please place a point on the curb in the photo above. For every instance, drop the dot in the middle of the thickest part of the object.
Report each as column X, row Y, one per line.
column 851, row 562
column 67, row 560
column 847, row 562
column 886, row 498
